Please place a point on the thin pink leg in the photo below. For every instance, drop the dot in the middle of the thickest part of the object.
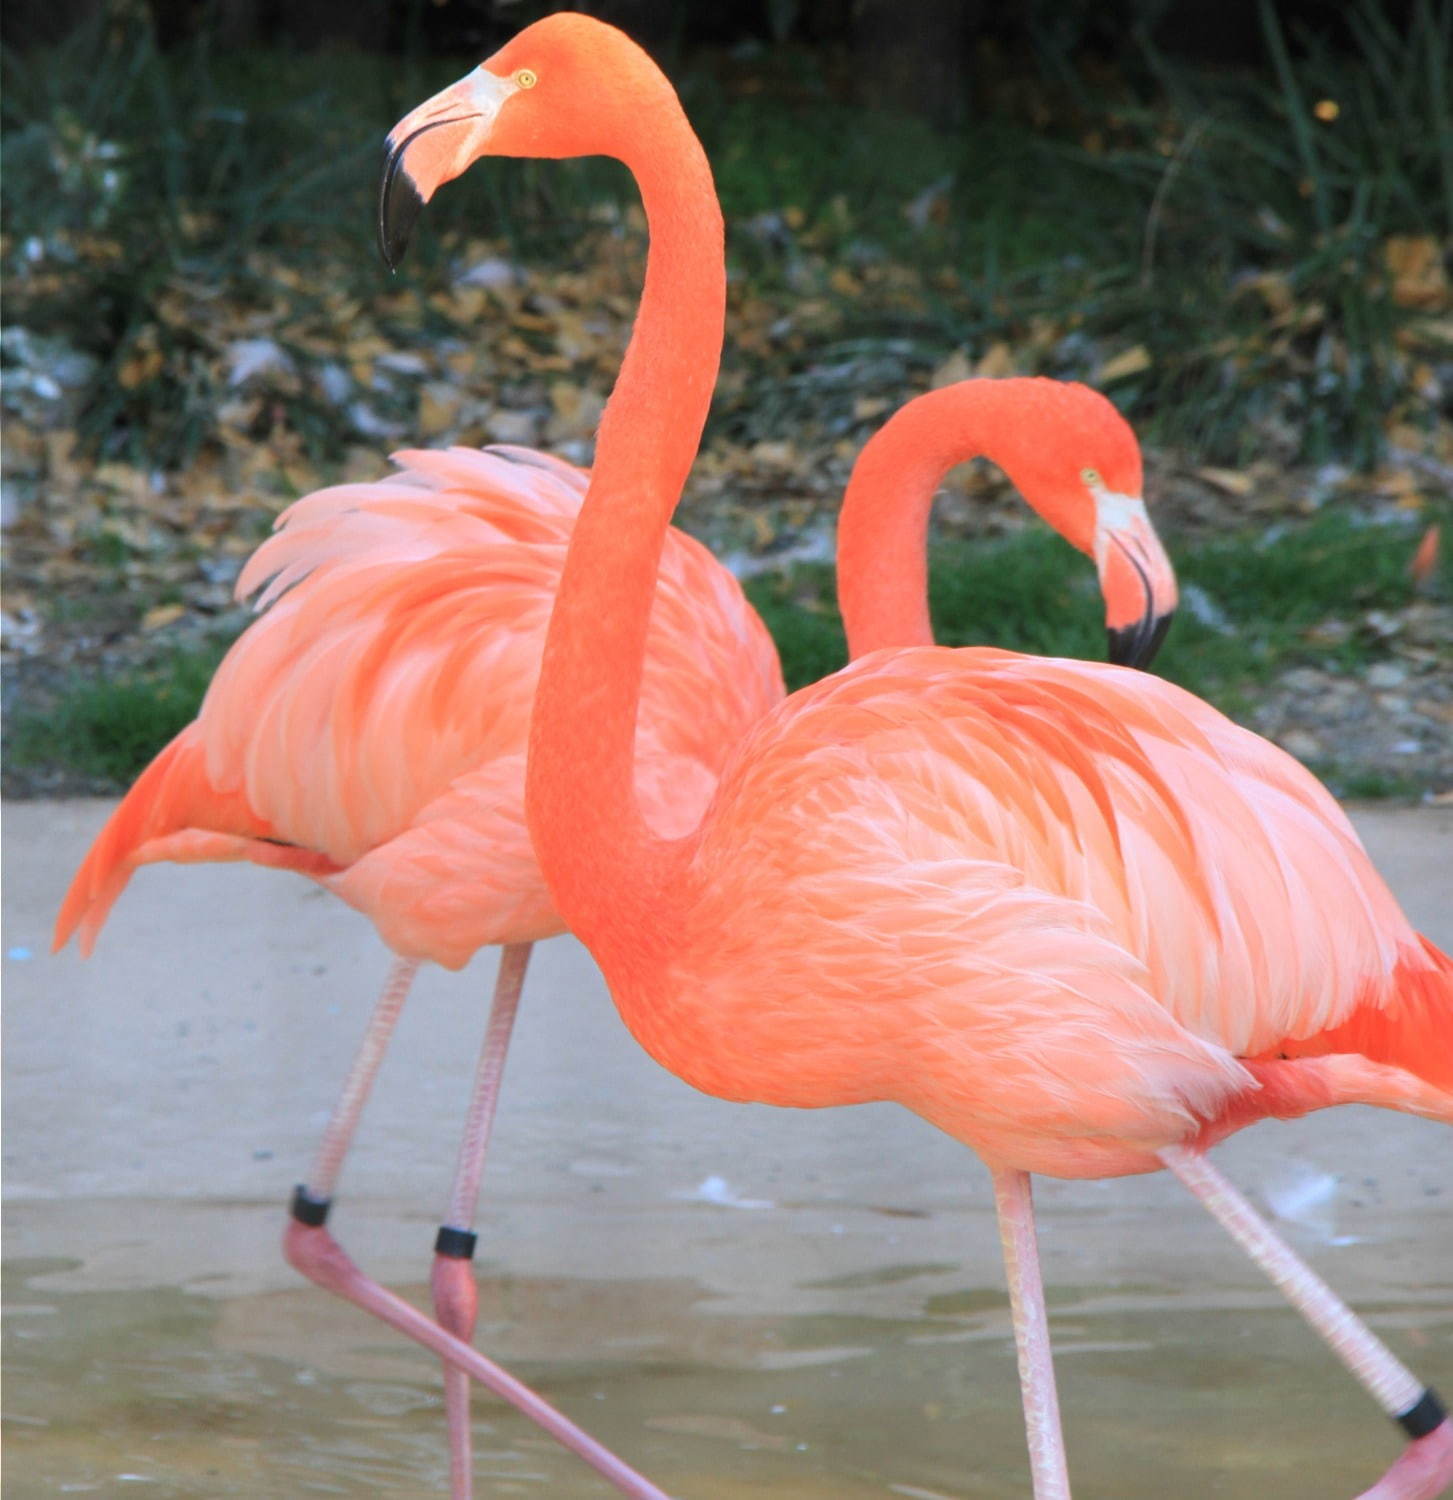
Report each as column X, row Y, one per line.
column 1425, row 1468
column 312, row 1250
column 339, row 1131
column 1013, row 1199
column 456, row 1298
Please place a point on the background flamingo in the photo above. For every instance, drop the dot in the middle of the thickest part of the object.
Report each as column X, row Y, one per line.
column 1071, row 915
column 369, row 731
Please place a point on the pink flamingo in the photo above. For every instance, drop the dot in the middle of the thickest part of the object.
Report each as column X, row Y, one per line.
column 1069, row 914
column 369, row 731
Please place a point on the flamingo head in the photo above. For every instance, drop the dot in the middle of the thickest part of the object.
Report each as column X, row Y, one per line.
column 568, row 85
column 1079, row 466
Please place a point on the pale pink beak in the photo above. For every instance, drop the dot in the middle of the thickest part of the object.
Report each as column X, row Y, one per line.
column 1136, row 580
column 430, row 146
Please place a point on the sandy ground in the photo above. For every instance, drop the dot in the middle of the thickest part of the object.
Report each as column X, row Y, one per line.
column 161, row 1098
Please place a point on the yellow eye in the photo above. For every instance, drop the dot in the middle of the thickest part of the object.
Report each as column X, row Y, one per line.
column 525, row 78
column 1091, row 478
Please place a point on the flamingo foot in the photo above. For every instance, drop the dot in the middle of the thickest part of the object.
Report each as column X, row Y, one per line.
column 1423, row 1471
column 456, row 1307
column 313, row 1252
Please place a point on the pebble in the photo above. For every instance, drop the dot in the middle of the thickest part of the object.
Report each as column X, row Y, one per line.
column 513, row 427
column 1386, row 674
column 1305, row 680
column 1301, row 744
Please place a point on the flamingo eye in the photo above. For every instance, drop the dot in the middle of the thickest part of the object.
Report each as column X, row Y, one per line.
column 1092, row 478
column 526, row 78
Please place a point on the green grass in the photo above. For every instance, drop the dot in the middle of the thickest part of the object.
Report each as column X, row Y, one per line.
column 1029, row 592
column 103, row 730
column 1033, row 593
column 1357, row 784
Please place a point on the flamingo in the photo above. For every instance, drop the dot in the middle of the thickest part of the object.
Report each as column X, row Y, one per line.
column 368, row 730
column 1067, row 913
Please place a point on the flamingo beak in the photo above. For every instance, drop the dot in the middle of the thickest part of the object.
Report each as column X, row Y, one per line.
column 430, row 146
column 1136, row 579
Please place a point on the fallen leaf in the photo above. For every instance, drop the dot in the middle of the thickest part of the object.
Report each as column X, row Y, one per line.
column 777, row 454
column 521, row 427
column 438, row 408
column 1120, row 366
column 1415, row 263
column 1232, row 481
column 1275, row 290
column 997, row 362
column 955, row 368
column 162, row 614
column 578, row 411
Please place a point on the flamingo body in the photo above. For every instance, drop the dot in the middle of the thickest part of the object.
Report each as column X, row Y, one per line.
column 369, row 729
column 1071, row 915
column 1050, row 905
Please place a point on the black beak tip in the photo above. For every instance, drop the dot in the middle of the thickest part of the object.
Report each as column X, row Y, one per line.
column 1137, row 645
column 398, row 207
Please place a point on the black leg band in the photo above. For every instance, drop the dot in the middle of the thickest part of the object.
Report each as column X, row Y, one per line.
column 457, row 1244
column 1425, row 1415
column 307, row 1209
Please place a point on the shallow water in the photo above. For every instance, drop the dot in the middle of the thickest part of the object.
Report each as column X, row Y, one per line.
column 170, row 1393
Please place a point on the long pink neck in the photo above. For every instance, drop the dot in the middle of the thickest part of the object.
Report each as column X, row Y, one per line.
column 882, row 540
column 606, row 871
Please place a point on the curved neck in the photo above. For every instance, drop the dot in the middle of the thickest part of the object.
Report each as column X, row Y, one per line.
column 605, row 870
column 882, row 540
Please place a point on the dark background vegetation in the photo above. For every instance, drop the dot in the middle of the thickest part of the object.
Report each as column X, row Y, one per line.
column 1233, row 215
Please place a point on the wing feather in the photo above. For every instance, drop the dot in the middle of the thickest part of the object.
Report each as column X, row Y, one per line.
column 1204, row 867
column 370, row 712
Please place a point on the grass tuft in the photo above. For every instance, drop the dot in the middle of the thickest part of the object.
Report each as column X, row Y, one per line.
column 103, row 731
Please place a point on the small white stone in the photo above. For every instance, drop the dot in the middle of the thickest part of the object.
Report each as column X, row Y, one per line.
column 513, row 427
column 1386, row 674
column 1300, row 743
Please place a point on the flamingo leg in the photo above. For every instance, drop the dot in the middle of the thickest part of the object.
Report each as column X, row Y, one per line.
column 312, row 1250
column 343, row 1122
column 1425, row 1468
column 456, row 1298
column 1015, row 1205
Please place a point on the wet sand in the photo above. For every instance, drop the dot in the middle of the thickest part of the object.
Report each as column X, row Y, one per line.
column 741, row 1300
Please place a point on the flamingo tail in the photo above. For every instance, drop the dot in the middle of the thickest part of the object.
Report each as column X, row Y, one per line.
column 1395, row 1055
column 1406, row 1024
column 1291, row 1087
column 1417, row 1031
column 173, row 812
